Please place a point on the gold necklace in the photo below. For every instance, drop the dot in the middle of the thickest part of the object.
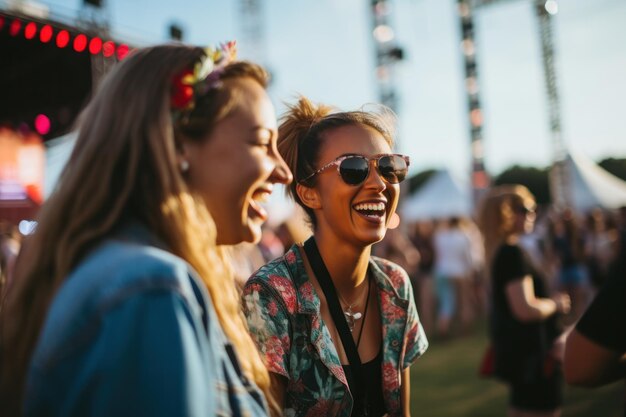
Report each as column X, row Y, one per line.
column 353, row 316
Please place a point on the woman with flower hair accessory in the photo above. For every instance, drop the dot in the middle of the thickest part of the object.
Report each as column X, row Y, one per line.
column 122, row 303
column 338, row 328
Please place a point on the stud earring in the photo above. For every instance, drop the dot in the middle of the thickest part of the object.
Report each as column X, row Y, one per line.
column 184, row 165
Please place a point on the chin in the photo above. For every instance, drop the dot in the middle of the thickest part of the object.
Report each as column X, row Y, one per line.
column 252, row 233
column 374, row 238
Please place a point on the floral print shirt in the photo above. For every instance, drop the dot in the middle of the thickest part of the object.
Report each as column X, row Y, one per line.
column 283, row 313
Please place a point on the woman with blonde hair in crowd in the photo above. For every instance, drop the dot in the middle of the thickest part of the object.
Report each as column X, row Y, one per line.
column 523, row 320
column 338, row 328
column 122, row 303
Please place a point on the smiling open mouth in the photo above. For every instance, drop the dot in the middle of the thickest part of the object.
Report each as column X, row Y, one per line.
column 371, row 210
column 259, row 198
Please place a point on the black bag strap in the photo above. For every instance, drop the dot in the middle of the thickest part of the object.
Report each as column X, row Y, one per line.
column 356, row 380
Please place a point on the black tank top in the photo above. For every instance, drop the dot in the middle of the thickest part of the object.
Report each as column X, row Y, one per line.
column 372, row 372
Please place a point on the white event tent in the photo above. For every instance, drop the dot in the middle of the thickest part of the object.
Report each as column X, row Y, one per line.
column 445, row 196
column 592, row 186
column 441, row 196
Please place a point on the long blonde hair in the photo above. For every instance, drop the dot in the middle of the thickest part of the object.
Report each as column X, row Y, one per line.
column 496, row 215
column 124, row 166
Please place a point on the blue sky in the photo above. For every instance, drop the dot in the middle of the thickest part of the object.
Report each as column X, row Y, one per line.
column 324, row 50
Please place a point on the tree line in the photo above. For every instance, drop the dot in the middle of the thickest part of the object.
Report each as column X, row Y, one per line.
column 536, row 179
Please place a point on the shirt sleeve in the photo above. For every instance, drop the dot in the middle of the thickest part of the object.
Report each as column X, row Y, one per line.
column 415, row 337
column 268, row 323
column 415, row 340
column 151, row 357
column 510, row 265
column 605, row 319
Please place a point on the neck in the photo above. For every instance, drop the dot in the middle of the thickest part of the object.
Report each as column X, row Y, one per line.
column 346, row 264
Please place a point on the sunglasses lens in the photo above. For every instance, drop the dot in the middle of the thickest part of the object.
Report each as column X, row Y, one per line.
column 393, row 168
column 354, row 170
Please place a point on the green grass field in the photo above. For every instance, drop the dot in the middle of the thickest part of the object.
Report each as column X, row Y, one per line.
column 445, row 383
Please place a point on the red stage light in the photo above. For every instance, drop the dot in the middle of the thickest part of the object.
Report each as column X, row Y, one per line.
column 80, row 43
column 15, row 27
column 42, row 124
column 45, row 34
column 1, row 22
column 30, row 30
column 122, row 51
column 95, row 46
column 63, row 38
column 108, row 49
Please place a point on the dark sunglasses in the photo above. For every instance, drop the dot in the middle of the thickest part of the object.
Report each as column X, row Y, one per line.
column 524, row 210
column 354, row 169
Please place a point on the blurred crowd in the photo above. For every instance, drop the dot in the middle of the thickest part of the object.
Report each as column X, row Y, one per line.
column 446, row 262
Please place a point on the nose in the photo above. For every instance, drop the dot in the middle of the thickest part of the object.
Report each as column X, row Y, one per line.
column 281, row 174
column 374, row 179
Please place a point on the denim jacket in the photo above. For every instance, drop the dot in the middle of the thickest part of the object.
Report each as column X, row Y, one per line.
column 131, row 332
column 283, row 312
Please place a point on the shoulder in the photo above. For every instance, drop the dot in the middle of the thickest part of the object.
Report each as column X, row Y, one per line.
column 274, row 281
column 117, row 271
column 280, row 266
column 395, row 274
column 120, row 282
column 129, row 264
column 280, row 271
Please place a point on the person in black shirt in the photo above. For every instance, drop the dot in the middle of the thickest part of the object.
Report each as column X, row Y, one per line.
column 523, row 325
column 595, row 352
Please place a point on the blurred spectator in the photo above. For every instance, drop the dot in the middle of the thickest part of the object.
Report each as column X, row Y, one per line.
column 245, row 258
column 600, row 246
column 271, row 246
column 595, row 352
column 621, row 234
column 396, row 247
column 423, row 285
column 523, row 323
column 569, row 249
column 453, row 270
column 478, row 285
column 10, row 241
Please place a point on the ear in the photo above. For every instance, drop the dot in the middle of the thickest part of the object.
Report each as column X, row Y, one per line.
column 308, row 196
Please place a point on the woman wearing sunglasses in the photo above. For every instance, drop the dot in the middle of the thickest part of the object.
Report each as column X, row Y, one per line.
column 122, row 304
column 337, row 327
column 524, row 328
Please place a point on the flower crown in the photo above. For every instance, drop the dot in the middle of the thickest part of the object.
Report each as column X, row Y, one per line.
column 190, row 84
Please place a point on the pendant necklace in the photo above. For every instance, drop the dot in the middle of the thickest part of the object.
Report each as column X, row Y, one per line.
column 353, row 316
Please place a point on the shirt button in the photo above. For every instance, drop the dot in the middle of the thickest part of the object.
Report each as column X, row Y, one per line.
column 395, row 343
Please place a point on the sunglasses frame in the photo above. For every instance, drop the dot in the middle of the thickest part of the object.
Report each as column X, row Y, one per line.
column 376, row 158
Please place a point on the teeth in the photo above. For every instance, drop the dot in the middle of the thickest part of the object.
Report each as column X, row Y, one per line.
column 370, row 206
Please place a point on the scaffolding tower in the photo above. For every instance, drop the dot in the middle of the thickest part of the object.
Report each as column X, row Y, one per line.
column 388, row 53
column 94, row 18
column 544, row 9
column 252, row 44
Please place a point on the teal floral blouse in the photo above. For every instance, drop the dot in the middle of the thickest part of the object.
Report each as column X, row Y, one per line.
column 283, row 313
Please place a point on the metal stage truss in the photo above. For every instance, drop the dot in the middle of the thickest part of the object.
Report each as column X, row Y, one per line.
column 544, row 11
